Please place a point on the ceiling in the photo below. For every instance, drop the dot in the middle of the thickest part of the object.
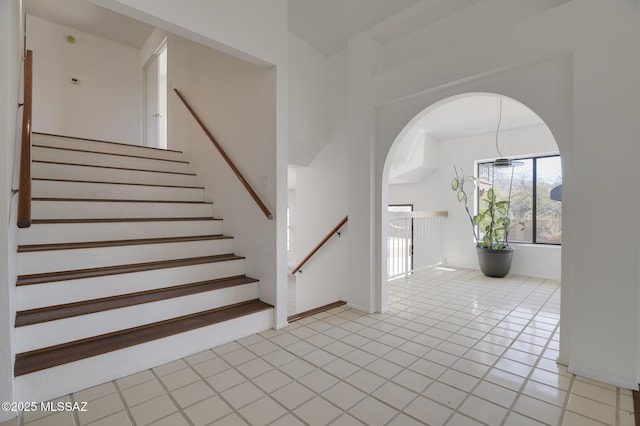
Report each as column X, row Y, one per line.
column 327, row 24
column 92, row 19
column 474, row 115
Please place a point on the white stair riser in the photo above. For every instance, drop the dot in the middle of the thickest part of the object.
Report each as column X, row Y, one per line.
column 98, row 159
column 47, row 334
column 68, row 378
column 68, row 260
column 113, row 148
column 105, row 174
column 58, row 189
column 110, row 210
column 62, row 292
column 109, row 231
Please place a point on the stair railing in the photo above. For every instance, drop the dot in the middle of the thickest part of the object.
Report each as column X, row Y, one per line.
column 24, row 189
column 335, row 230
column 230, row 163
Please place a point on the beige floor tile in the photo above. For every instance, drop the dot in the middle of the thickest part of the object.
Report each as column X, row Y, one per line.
column 272, row 380
column 589, row 408
column 225, row 380
column 135, row 379
column 483, row 411
column 317, row 411
column 205, row 412
column 394, row 395
column 344, row 395
column 546, row 393
column 142, row 392
column 371, row 411
column 241, row 395
column 180, row 378
column 120, row 419
column 152, row 410
column 200, row 357
column 428, row 411
column 292, row 395
column 95, row 392
column 318, row 381
column 346, row 420
column 365, row 381
column 445, row 395
column 462, row 420
column 591, row 391
column 175, row 419
column 573, row 419
column 496, row 394
column 170, row 367
column 210, row 367
column 538, row 410
column 516, row 419
column 262, row 411
column 101, row 407
column 57, row 419
column 190, row 394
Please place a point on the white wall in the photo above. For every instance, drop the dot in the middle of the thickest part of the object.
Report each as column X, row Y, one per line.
column 321, row 201
column 236, row 101
column 321, row 187
column 105, row 105
column 434, row 193
column 556, row 62
column 10, row 122
column 309, row 92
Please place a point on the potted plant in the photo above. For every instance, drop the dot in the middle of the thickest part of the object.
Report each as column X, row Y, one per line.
column 490, row 227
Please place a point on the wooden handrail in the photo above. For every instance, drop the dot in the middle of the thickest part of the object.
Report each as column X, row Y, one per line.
column 320, row 244
column 24, row 191
column 235, row 170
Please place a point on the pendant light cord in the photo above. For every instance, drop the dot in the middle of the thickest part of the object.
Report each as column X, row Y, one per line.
column 498, row 130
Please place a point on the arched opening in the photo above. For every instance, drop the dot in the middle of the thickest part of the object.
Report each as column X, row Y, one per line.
column 463, row 130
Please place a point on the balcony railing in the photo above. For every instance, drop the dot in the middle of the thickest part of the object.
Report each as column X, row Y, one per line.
column 415, row 240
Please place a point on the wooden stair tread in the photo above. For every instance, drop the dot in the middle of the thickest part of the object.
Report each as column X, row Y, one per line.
column 52, row 313
column 88, row 151
column 109, row 200
column 108, row 142
column 112, row 167
column 29, row 362
column 120, row 269
column 116, row 243
column 102, row 182
column 112, row 220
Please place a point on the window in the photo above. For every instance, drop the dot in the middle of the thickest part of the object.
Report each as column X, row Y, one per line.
column 531, row 197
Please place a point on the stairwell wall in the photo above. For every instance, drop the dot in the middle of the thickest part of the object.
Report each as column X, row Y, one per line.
column 236, row 100
column 10, row 69
column 256, row 31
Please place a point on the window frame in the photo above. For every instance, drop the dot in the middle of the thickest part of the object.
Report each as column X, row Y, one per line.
column 534, row 194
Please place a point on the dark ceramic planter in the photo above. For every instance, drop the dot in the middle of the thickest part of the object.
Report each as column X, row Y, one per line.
column 495, row 263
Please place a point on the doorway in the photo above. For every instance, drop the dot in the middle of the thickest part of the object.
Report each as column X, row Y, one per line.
column 155, row 124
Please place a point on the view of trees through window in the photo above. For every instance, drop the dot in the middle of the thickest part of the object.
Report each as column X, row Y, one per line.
column 534, row 179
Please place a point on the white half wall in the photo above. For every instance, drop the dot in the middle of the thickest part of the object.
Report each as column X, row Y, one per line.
column 106, row 102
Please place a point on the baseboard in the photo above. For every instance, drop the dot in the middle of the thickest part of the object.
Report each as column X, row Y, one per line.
column 301, row 315
column 603, row 377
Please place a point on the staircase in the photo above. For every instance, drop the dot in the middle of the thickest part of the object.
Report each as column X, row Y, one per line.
column 123, row 268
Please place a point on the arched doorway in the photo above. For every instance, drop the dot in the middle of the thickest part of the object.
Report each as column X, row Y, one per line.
column 463, row 130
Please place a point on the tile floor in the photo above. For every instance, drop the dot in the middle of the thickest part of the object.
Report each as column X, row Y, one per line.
column 455, row 348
